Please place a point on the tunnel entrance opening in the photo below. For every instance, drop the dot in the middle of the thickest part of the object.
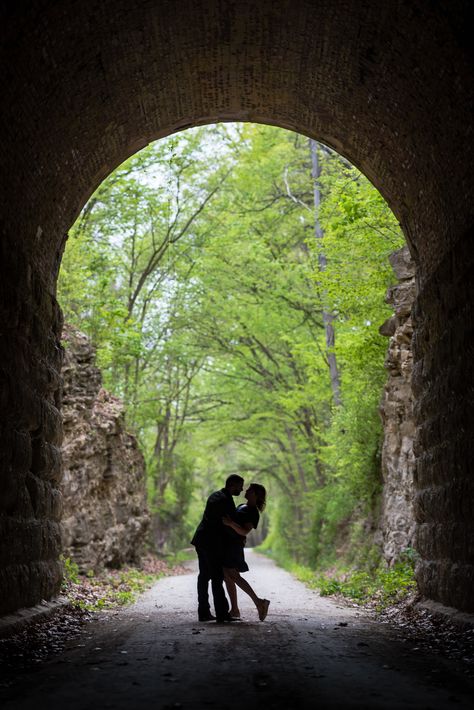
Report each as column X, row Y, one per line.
column 233, row 278
column 389, row 87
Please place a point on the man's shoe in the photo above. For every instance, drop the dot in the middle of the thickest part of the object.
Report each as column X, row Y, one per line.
column 224, row 619
column 206, row 617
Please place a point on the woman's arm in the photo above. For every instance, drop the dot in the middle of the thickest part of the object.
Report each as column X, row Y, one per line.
column 240, row 529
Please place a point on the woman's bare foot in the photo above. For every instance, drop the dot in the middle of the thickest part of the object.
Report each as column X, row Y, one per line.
column 235, row 613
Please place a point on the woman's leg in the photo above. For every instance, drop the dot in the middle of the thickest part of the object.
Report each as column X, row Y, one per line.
column 261, row 604
column 234, row 575
column 232, row 592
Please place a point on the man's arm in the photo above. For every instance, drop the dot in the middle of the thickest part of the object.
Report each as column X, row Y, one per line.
column 243, row 529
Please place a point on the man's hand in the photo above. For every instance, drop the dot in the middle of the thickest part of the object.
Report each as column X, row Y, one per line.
column 227, row 520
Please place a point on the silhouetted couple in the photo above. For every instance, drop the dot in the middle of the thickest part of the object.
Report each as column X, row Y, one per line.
column 219, row 541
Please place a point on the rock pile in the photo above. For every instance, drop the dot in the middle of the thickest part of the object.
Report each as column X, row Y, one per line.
column 398, row 461
column 105, row 518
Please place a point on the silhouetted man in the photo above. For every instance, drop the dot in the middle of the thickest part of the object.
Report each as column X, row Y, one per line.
column 209, row 541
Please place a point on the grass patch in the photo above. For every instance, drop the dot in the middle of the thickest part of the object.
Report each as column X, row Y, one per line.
column 110, row 589
column 177, row 558
column 379, row 588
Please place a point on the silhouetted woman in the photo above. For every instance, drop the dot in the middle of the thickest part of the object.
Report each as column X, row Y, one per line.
column 247, row 517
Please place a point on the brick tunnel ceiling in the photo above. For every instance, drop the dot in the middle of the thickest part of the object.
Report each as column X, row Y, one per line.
column 90, row 84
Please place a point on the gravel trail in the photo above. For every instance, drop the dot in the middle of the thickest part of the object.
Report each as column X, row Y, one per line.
column 309, row 653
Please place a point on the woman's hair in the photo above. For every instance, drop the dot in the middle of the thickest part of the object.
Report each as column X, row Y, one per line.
column 260, row 494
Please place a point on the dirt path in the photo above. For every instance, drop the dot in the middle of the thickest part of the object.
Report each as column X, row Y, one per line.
column 309, row 653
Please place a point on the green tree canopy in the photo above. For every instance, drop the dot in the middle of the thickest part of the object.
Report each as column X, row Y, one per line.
column 196, row 271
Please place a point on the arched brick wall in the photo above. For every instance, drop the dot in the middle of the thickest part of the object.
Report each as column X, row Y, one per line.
column 87, row 83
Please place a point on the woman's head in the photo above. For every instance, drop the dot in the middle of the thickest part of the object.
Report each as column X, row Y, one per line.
column 258, row 493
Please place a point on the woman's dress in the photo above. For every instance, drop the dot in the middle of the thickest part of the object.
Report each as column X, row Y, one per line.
column 234, row 557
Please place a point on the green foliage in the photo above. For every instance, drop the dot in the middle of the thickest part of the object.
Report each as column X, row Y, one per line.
column 184, row 555
column 380, row 587
column 387, row 586
column 70, row 571
column 109, row 591
column 196, row 270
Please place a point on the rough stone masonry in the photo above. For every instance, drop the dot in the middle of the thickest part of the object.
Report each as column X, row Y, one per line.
column 389, row 85
column 105, row 517
column 398, row 460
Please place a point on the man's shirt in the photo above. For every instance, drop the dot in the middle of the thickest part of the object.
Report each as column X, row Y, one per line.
column 211, row 531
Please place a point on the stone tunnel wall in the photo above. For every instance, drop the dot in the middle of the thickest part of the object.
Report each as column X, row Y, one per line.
column 397, row 102
column 105, row 518
column 443, row 349
column 427, row 411
column 30, row 433
column 397, row 521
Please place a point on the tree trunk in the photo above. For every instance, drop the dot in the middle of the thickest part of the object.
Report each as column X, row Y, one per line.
column 328, row 317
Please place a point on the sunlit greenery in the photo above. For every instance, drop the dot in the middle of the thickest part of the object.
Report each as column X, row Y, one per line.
column 108, row 590
column 196, row 270
column 380, row 586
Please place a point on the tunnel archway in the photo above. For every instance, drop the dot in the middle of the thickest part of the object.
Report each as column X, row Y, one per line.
column 388, row 86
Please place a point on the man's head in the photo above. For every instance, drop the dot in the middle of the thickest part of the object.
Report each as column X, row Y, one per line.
column 234, row 484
